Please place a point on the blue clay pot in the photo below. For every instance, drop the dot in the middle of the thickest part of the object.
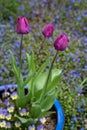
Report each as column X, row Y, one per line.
column 57, row 105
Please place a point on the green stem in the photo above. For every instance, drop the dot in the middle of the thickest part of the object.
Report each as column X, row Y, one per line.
column 21, row 52
column 44, row 90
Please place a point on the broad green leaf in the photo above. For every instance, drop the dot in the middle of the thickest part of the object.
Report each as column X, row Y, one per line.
column 42, row 79
column 54, row 82
column 23, row 101
column 35, row 111
column 37, row 95
column 24, row 120
column 33, row 81
column 47, row 101
column 41, row 69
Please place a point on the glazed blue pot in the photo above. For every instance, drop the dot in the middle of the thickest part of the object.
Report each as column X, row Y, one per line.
column 57, row 105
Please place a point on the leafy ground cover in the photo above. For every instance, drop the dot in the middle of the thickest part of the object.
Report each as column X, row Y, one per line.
column 68, row 16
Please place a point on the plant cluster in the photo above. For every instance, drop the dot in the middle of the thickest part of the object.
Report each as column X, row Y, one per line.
column 26, row 106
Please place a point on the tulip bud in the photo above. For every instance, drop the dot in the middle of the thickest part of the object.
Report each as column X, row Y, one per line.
column 22, row 26
column 48, row 30
column 61, row 42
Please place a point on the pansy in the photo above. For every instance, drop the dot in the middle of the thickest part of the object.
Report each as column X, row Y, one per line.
column 3, row 124
column 40, row 127
column 6, row 102
column 31, row 127
column 14, row 95
column 43, row 120
column 10, row 109
column 17, row 123
column 8, row 116
column 8, row 125
column 23, row 112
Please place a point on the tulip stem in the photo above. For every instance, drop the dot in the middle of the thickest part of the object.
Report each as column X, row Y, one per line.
column 44, row 90
column 51, row 68
column 21, row 52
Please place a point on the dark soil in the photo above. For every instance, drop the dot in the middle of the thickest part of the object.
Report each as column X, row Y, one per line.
column 50, row 123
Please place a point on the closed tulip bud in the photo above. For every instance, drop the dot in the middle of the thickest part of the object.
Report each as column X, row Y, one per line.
column 22, row 26
column 61, row 42
column 48, row 30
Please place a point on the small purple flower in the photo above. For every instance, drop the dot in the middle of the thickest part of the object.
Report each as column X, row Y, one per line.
column 8, row 125
column 23, row 112
column 17, row 123
column 8, row 116
column 61, row 42
column 6, row 102
column 43, row 120
column 3, row 124
column 40, row 127
column 10, row 108
column 3, row 112
column 48, row 30
column 31, row 127
column 14, row 95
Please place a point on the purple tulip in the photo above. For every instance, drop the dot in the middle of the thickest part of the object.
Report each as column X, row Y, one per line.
column 61, row 42
column 22, row 25
column 48, row 30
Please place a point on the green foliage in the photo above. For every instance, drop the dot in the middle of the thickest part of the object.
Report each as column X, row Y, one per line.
column 24, row 120
column 8, row 8
column 39, row 93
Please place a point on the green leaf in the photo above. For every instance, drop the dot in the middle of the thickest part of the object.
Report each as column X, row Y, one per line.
column 31, row 63
column 28, row 79
column 48, row 113
column 13, row 59
column 42, row 79
column 54, row 81
column 23, row 101
column 35, row 111
column 18, row 76
column 34, row 79
column 24, row 120
column 48, row 100
column 41, row 69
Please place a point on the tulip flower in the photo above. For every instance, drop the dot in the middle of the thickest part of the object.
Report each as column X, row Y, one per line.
column 48, row 30
column 61, row 42
column 22, row 25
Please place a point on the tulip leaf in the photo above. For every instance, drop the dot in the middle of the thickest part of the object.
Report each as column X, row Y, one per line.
column 41, row 69
column 30, row 121
column 49, row 100
column 47, row 113
column 42, row 79
column 54, row 81
column 31, row 63
column 35, row 111
column 23, row 101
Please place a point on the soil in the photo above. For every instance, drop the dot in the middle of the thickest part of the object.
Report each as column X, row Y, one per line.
column 50, row 123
